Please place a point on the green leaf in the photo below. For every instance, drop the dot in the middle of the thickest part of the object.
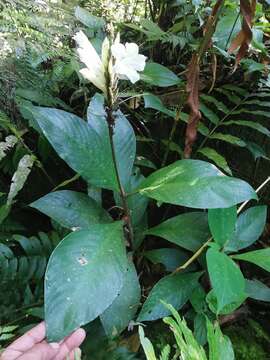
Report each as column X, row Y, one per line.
column 218, row 159
column 153, row 102
column 123, row 309
column 159, row 75
column 236, row 89
column 89, row 20
column 147, row 345
column 142, row 161
column 209, row 114
column 79, row 145
column 249, row 227
column 211, row 300
column 123, row 139
column 188, row 230
column 234, row 140
column 222, row 224
column 173, row 289
column 171, row 258
column 220, row 346
column 197, row 184
column 226, row 278
column 84, row 275
column 258, row 257
column 253, row 125
column 219, row 105
column 227, row 29
column 256, row 150
column 257, row 290
column 186, row 342
column 71, row 209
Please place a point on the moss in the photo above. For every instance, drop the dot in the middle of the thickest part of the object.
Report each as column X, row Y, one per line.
column 249, row 340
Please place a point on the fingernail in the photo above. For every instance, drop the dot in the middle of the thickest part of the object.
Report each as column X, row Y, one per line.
column 55, row 346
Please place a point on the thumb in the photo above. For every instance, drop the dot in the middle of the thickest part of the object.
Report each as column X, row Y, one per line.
column 43, row 351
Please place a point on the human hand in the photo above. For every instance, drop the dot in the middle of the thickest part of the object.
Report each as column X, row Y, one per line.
column 33, row 346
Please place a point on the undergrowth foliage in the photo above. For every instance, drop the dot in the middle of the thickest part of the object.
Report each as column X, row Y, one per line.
column 144, row 169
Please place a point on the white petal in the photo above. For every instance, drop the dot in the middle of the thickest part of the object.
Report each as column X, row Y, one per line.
column 132, row 49
column 140, row 62
column 118, row 51
column 86, row 51
column 97, row 79
column 123, row 70
column 132, row 75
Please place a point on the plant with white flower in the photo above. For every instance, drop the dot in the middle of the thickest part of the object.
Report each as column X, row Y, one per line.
column 117, row 61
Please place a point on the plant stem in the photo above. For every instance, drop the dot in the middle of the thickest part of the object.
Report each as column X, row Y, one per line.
column 257, row 190
column 200, row 250
column 121, row 190
column 176, row 120
column 110, row 87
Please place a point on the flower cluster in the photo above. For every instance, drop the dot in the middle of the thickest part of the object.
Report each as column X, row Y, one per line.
column 125, row 61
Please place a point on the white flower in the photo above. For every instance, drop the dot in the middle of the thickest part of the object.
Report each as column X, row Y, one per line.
column 128, row 61
column 94, row 70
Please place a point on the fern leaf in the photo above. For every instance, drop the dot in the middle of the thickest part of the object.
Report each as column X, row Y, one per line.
column 219, row 105
column 253, row 125
column 218, row 159
column 234, row 140
column 6, row 145
column 20, row 177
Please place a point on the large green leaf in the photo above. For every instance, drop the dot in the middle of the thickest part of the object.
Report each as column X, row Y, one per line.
column 249, row 227
column 257, row 290
column 123, row 138
column 173, row 289
column 197, row 184
column 222, row 224
column 79, row 145
column 171, row 258
column 71, row 209
column 226, row 278
column 227, row 28
column 84, row 275
column 188, row 230
column 159, row 75
column 258, row 257
column 118, row 315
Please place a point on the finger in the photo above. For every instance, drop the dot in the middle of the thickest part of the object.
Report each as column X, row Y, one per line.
column 42, row 351
column 29, row 339
column 72, row 342
column 75, row 354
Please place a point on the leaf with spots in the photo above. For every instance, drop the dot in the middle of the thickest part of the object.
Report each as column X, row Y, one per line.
column 71, row 209
column 85, row 273
column 117, row 317
column 197, row 184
